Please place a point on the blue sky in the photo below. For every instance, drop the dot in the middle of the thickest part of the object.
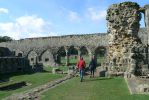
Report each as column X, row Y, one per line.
column 38, row 18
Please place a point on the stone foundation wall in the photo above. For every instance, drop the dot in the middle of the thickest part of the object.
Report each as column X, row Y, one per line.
column 13, row 64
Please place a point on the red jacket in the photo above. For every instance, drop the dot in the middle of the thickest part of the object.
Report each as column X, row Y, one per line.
column 81, row 64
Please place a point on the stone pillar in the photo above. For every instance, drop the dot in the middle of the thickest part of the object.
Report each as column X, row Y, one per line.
column 79, row 54
column 91, row 54
column 147, row 26
column 147, row 19
column 67, row 57
column 123, row 26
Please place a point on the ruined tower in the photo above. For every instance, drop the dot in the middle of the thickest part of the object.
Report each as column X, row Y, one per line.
column 125, row 47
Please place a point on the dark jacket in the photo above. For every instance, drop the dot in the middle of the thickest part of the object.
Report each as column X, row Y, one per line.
column 92, row 64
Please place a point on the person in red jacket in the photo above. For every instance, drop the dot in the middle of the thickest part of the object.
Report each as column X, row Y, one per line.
column 81, row 66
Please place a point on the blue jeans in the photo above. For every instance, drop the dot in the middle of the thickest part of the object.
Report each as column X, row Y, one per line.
column 81, row 74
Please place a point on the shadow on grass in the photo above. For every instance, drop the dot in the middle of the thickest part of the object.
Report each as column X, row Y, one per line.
column 13, row 86
column 6, row 77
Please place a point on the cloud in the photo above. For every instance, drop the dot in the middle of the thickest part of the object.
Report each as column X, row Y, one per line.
column 26, row 27
column 74, row 16
column 96, row 15
column 4, row 10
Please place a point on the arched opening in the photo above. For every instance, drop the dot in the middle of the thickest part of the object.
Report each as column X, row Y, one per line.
column 100, row 53
column 61, row 56
column 85, row 54
column 18, row 53
column 142, row 20
column 73, row 55
column 32, row 57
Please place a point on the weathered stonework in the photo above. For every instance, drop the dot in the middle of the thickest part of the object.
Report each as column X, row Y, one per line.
column 13, row 64
column 147, row 26
column 147, row 19
column 125, row 47
column 126, row 50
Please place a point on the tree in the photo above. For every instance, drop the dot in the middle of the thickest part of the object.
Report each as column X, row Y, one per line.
column 5, row 39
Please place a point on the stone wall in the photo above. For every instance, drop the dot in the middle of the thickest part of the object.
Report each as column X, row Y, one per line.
column 147, row 19
column 147, row 26
column 124, row 41
column 13, row 64
column 35, row 48
column 125, row 47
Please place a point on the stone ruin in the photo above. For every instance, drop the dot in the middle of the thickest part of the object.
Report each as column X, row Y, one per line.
column 127, row 53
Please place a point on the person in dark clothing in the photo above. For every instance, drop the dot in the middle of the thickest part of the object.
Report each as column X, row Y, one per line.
column 81, row 66
column 92, row 66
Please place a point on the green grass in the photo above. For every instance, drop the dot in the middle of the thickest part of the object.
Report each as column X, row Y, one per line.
column 35, row 80
column 92, row 89
column 73, row 61
column 49, row 68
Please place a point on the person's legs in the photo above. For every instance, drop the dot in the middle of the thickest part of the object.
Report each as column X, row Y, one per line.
column 81, row 75
column 93, row 72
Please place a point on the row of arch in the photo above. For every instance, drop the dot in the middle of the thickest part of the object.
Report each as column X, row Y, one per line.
column 62, row 55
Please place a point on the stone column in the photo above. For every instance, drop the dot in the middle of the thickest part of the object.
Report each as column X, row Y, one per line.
column 67, row 57
column 90, row 55
column 147, row 19
column 79, row 54
column 147, row 25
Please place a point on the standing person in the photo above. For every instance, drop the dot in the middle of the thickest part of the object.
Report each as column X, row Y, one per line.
column 92, row 66
column 81, row 66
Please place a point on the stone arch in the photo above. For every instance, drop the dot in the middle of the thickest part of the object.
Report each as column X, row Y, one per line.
column 18, row 53
column 85, row 53
column 142, row 20
column 32, row 57
column 60, row 56
column 47, row 58
column 100, row 54
column 73, row 54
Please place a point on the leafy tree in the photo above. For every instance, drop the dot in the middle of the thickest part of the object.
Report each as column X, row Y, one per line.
column 5, row 38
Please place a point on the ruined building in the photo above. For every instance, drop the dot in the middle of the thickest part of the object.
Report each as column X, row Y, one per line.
column 127, row 52
column 125, row 43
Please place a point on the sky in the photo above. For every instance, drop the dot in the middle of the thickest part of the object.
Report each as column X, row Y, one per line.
column 21, row 19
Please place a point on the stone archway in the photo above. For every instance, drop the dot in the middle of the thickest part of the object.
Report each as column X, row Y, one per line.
column 73, row 55
column 18, row 53
column 61, row 56
column 100, row 54
column 85, row 53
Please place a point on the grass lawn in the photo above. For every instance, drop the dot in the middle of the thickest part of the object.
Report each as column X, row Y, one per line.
column 73, row 61
column 49, row 68
column 34, row 79
column 92, row 89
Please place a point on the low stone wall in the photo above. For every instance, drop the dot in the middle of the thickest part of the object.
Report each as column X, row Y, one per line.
column 13, row 64
column 137, row 85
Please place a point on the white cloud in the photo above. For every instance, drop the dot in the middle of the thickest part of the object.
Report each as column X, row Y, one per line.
column 96, row 15
column 73, row 16
column 26, row 27
column 4, row 10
